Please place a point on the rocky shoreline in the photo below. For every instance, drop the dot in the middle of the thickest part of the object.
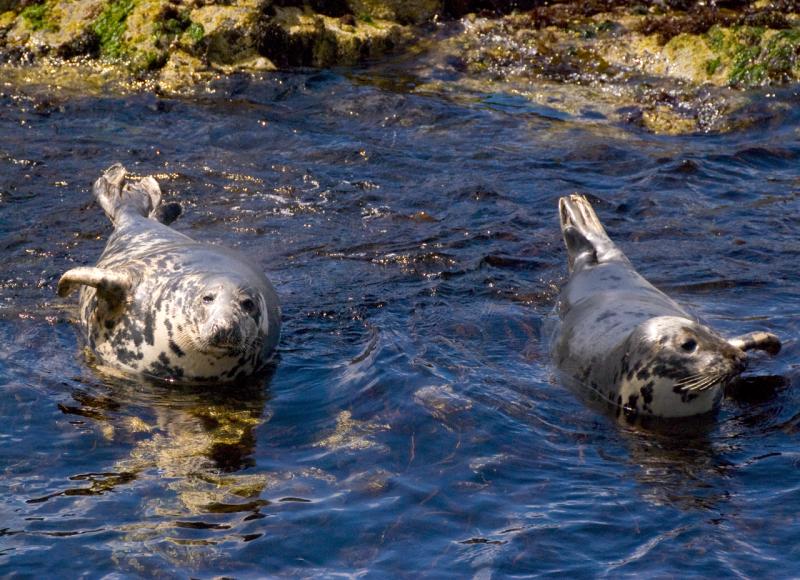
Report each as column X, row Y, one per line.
column 669, row 59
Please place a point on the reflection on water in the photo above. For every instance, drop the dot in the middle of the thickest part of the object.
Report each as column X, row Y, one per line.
column 413, row 423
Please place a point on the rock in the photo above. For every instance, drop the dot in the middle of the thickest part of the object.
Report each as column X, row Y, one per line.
column 402, row 11
column 663, row 120
column 671, row 67
column 229, row 34
column 11, row 5
column 181, row 71
column 6, row 21
column 293, row 37
column 149, row 29
column 60, row 27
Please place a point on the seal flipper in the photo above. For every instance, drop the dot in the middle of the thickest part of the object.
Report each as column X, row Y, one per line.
column 758, row 340
column 111, row 285
column 584, row 235
column 118, row 198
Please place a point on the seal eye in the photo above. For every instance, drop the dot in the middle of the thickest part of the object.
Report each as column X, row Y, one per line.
column 690, row 345
column 208, row 298
column 248, row 305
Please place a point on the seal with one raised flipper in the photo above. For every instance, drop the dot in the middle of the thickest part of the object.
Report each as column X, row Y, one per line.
column 160, row 304
column 629, row 342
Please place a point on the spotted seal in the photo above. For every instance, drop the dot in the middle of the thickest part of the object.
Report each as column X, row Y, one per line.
column 629, row 342
column 160, row 304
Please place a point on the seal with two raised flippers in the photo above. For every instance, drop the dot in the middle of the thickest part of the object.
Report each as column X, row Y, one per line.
column 629, row 342
column 160, row 304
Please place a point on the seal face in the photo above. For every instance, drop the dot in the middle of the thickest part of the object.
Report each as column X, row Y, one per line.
column 163, row 305
column 629, row 342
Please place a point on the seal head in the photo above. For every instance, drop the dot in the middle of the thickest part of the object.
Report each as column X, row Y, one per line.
column 671, row 366
column 223, row 315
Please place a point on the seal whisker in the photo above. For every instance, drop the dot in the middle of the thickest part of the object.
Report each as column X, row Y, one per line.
column 708, row 382
column 691, row 378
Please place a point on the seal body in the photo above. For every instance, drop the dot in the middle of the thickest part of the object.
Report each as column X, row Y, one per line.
column 627, row 341
column 160, row 304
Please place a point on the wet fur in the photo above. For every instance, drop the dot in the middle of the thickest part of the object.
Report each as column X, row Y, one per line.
column 155, row 322
column 625, row 340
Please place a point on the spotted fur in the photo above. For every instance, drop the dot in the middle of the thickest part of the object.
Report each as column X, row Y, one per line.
column 163, row 305
column 628, row 342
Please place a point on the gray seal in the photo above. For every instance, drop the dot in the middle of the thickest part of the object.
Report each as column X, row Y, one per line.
column 162, row 305
column 630, row 343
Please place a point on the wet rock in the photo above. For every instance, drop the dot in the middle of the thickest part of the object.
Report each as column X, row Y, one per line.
column 739, row 56
column 227, row 34
column 152, row 29
column 402, row 11
column 293, row 37
column 181, row 71
column 609, row 55
column 10, row 5
column 63, row 28
column 7, row 20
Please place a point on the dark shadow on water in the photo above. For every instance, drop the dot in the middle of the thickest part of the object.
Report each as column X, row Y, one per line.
column 750, row 390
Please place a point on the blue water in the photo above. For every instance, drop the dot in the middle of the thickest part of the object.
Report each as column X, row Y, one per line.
column 412, row 425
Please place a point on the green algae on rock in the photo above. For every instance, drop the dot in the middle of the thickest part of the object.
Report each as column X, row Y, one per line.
column 60, row 28
column 110, row 26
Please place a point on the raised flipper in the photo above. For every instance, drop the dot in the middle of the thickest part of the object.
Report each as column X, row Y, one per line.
column 111, row 285
column 759, row 340
column 586, row 240
column 118, row 197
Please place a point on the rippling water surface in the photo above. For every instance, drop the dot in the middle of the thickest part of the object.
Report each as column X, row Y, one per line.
column 412, row 425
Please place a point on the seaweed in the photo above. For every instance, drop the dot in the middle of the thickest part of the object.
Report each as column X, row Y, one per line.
column 110, row 27
column 36, row 15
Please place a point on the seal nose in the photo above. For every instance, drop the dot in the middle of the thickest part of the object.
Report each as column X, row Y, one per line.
column 225, row 335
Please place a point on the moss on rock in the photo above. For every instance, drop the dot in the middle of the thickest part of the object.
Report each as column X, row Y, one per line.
column 110, row 26
column 38, row 17
column 55, row 27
